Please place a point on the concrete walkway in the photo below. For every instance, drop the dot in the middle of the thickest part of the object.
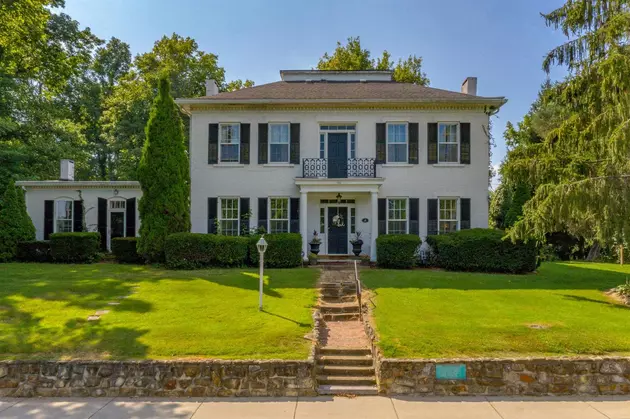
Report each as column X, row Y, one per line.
column 321, row 407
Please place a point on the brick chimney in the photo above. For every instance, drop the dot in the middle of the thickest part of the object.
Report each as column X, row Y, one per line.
column 469, row 86
column 211, row 88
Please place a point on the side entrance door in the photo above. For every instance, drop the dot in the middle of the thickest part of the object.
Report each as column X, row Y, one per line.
column 337, row 230
column 116, row 224
column 337, row 155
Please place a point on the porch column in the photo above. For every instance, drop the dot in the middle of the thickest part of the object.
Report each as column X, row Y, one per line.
column 374, row 234
column 304, row 223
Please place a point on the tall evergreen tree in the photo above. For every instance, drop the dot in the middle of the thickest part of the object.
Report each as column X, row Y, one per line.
column 13, row 226
column 27, row 223
column 163, row 174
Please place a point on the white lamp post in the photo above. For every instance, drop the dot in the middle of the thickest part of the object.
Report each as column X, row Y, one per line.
column 262, row 247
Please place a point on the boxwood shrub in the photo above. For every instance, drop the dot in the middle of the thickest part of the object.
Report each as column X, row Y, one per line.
column 34, row 251
column 284, row 250
column 196, row 250
column 397, row 251
column 482, row 250
column 75, row 247
column 125, row 250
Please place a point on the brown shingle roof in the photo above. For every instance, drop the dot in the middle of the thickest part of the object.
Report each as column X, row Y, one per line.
column 333, row 90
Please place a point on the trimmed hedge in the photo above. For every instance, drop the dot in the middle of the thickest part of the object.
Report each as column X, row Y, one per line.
column 75, row 247
column 482, row 250
column 397, row 251
column 125, row 249
column 34, row 251
column 284, row 250
column 196, row 250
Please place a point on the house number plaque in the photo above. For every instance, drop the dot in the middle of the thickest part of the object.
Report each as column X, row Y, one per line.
column 365, row 220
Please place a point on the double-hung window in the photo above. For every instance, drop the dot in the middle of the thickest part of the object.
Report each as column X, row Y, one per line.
column 64, row 216
column 447, row 215
column 397, row 142
column 229, row 216
column 397, row 216
column 279, row 211
column 448, row 142
column 230, row 143
column 279, row 143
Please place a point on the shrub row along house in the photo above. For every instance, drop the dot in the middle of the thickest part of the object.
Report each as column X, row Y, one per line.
column 331, row 152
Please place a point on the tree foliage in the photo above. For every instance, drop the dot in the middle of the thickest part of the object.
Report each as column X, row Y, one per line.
column 15, row 224
column 163, row 174
column 353, row 56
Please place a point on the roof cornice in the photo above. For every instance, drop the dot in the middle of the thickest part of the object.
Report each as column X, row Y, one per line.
column 92, row 184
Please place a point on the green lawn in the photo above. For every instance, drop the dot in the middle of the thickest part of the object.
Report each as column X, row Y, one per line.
column 172, row 314
column 426, row 313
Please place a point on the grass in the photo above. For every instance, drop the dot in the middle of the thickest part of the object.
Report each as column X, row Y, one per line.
column 172, row 314
column 427, row 313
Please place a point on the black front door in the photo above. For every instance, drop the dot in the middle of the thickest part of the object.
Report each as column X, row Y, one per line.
column 117, row 224
column 337, row 155
column 337, row 230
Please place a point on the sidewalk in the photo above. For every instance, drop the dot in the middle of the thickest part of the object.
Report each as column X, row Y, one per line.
column 321, row 407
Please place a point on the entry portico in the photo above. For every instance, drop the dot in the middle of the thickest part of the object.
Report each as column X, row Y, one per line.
column 326, row 195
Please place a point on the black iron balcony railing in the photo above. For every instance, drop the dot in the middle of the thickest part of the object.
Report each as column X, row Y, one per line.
column 338, row 169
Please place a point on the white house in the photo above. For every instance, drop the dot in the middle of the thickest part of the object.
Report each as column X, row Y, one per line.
column 339, row 152
column 109, row 207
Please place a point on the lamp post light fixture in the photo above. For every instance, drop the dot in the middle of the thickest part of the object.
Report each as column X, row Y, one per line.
column 262, row 247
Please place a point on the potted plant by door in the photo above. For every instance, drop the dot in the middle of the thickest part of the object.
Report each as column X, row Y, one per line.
column 357, row 242
column 315, row 242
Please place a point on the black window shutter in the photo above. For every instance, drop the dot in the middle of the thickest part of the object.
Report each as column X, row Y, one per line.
column 381, row 146
column 295, row 215
column 212, row 215
column 244, row 144
column 295, row 144
column 382, row 216
column 102, row 221
column 464, row 143
column 464, row 223
column 414, row 216
column 49, row 218
column 263, row 135
column 244, row 216
column 432, row 143
column 432, row 217
column 77, row 209
column 413, row 143
column 131, row 217
column 262, row 213
column 213, row 144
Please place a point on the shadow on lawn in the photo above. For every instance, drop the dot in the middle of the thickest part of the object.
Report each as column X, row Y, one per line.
column 550, row 276
column 579, row 298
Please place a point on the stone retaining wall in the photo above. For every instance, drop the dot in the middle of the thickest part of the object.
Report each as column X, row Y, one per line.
column 157, row 378
column 536, row 377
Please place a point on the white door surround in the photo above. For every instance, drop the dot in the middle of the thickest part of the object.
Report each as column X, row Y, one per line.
column 115, row 205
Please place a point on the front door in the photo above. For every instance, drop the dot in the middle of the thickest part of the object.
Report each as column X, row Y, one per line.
column 337, row 230
column 117, row 224
column 337, row 155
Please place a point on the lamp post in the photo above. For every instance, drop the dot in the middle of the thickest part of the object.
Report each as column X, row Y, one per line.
column 262, row 247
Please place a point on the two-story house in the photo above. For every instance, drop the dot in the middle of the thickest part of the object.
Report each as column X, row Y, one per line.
column 339, row 152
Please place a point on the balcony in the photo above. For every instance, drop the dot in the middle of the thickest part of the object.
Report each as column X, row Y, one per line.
column 315, row 168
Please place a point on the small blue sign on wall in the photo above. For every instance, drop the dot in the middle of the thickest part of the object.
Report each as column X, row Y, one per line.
column 450, row 371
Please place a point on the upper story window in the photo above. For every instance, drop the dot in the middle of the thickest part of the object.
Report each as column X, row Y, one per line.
column 448, row 142
column 63, row 216
column 229, row 217
column 397, row 216
column 279, row 143
column 230, row 143
column 397, row 142
column 447, row 213
column 279, row 211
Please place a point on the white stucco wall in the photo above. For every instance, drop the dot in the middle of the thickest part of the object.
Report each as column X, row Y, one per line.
column 35, row 198
column 422, row 181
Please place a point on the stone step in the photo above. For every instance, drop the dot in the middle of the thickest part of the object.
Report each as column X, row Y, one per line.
column 339, row 299
column 339, row 308
column 365, row 360
column 344, row 351
column 339, row 317
column 348, row 390
column 344, row 370
column 346, row 381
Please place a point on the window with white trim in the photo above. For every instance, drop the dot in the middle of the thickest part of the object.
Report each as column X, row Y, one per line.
column 397, row 216
column 447, row 215
column 230, row 143
column 322, row 146
column 279, row 143
column 229, row 216
column 448, row 142
column 353, row 146
column 117, row 204
column 397, row 143
column 279, row 215
column 64, row 213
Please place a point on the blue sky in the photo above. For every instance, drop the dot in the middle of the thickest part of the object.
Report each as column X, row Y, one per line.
column 502, row 42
